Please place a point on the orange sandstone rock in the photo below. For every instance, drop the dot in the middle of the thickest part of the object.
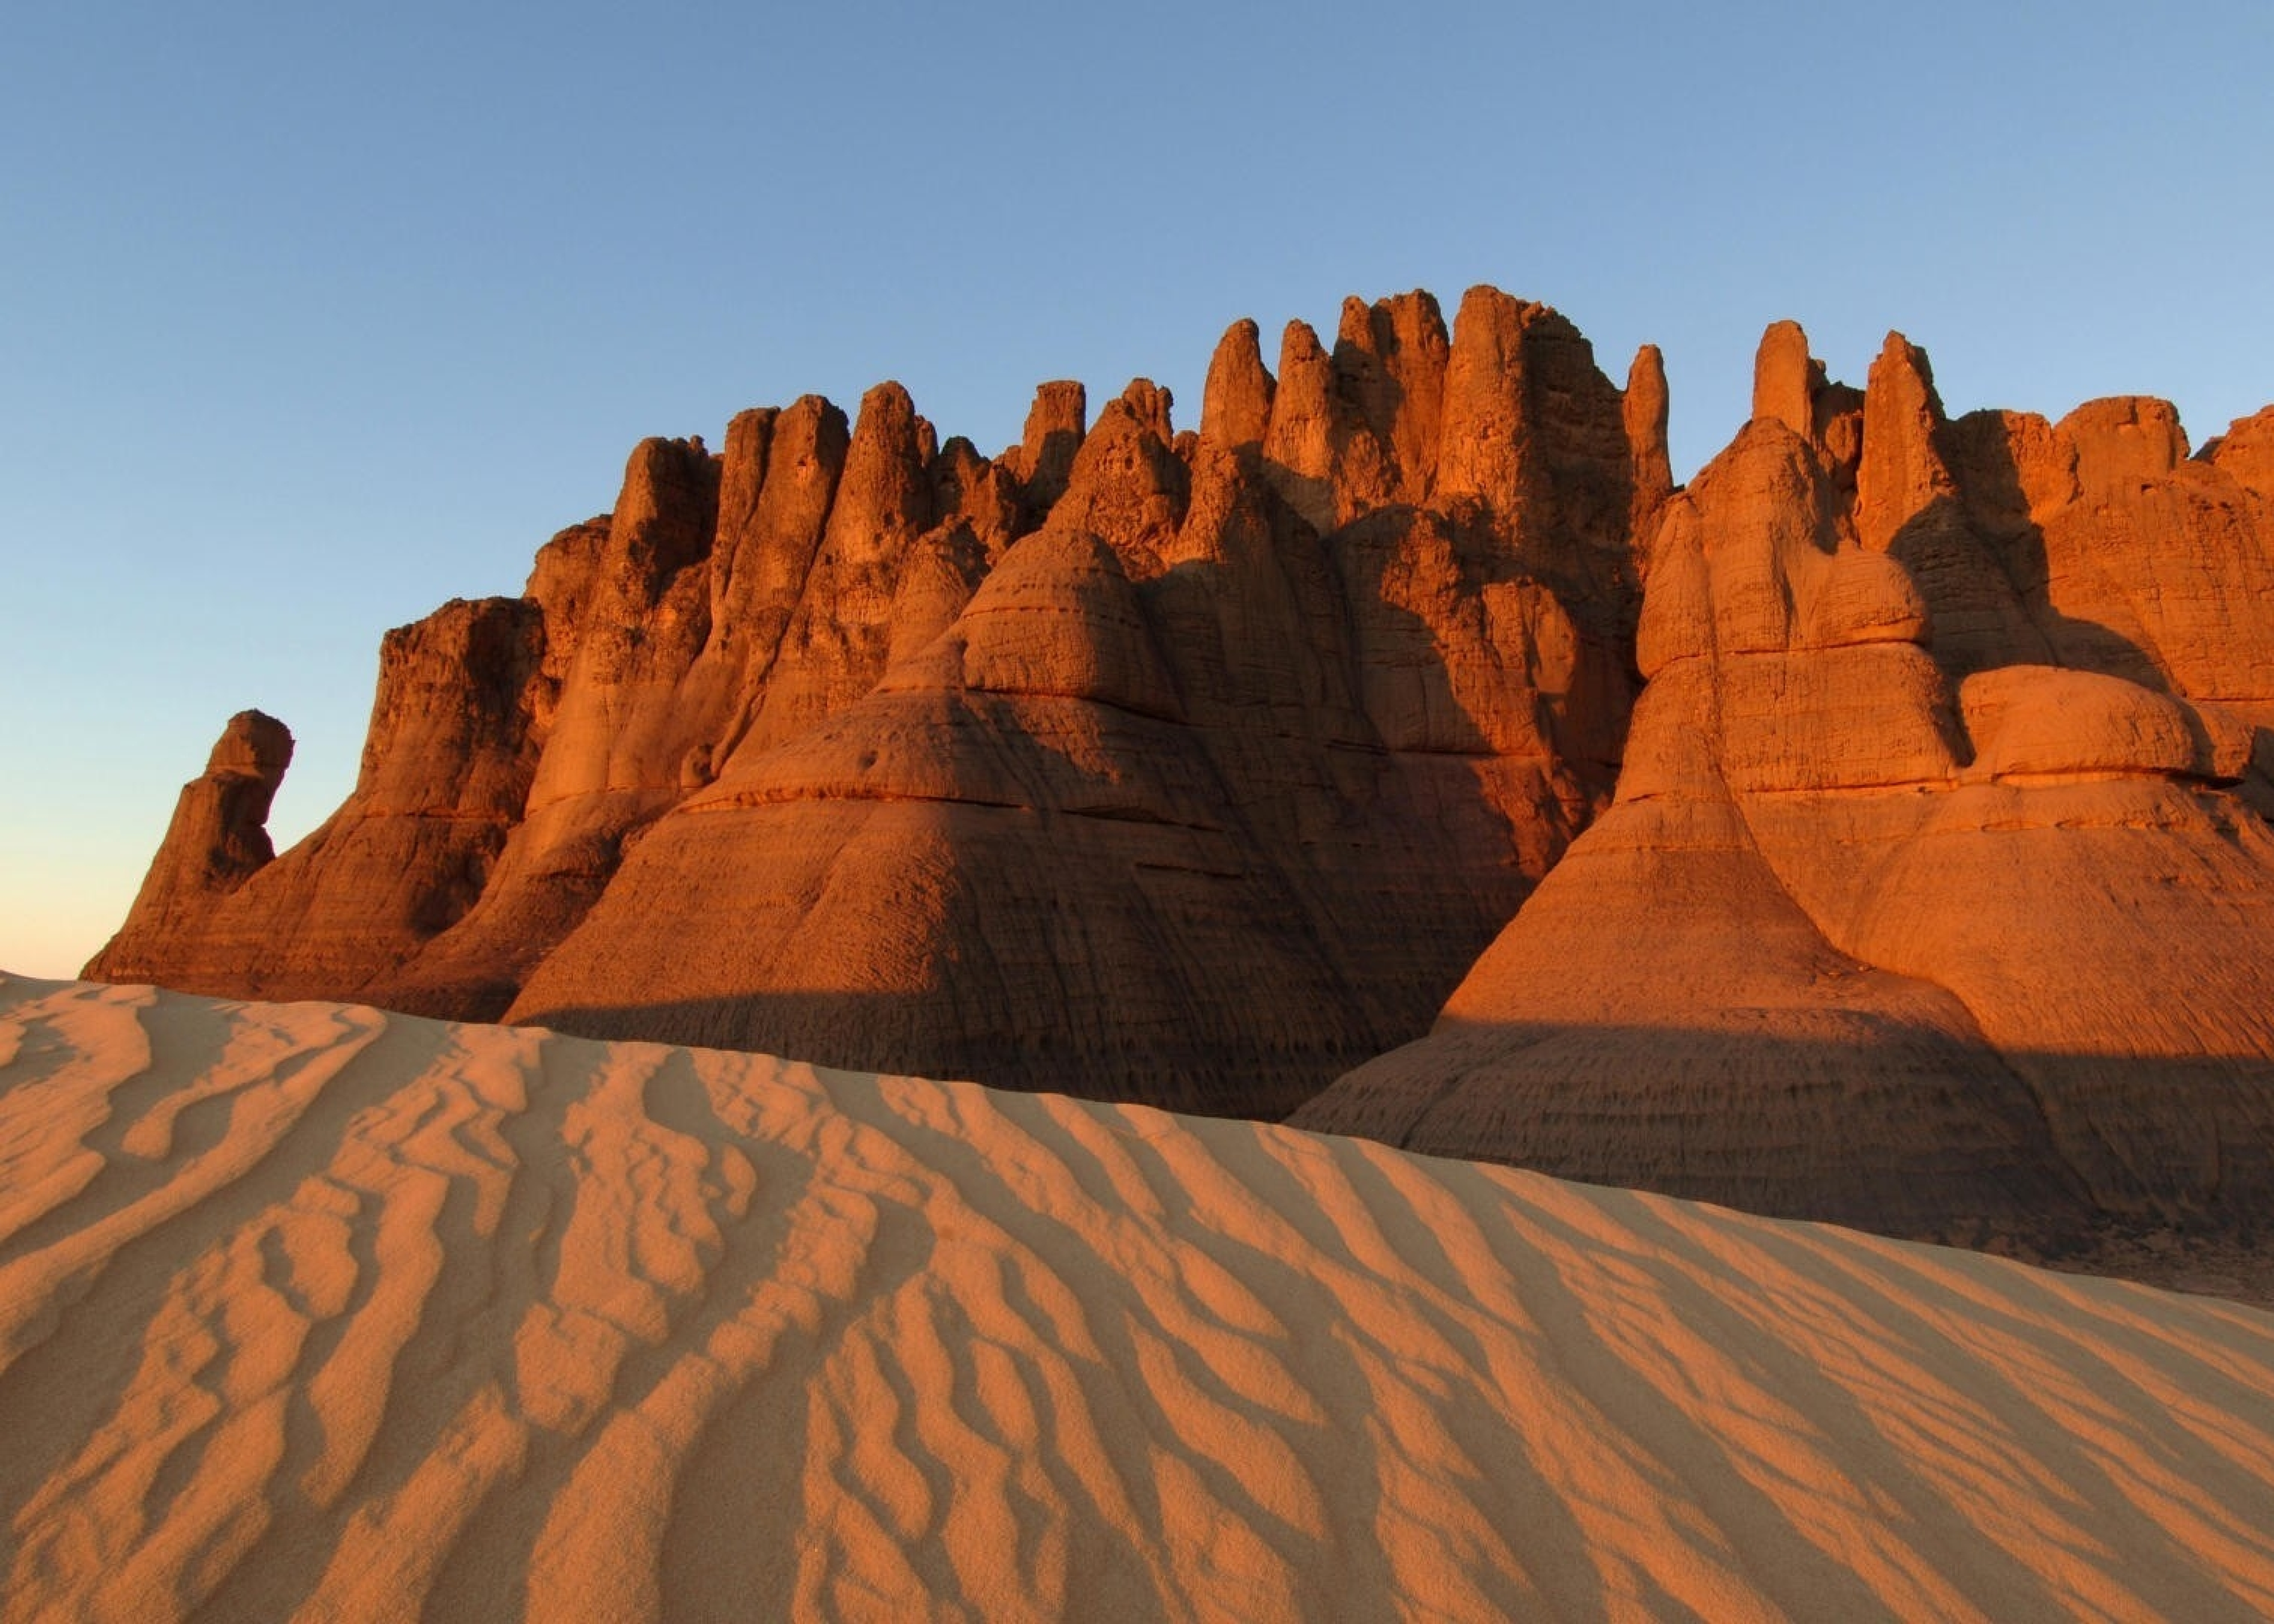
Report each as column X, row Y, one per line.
column 1785, row 379
column 1194, row 768
column 1934, row 889
column 1949, row 920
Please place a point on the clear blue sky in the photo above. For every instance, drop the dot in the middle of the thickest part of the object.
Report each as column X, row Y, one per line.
column 313, row 317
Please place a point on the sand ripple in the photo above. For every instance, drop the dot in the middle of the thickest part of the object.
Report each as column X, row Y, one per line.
column 312, row 1311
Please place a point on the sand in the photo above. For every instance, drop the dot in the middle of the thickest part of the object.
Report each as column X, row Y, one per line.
column 311, row 1311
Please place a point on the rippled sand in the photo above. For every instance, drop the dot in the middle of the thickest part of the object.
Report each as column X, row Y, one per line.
column 306, row 1308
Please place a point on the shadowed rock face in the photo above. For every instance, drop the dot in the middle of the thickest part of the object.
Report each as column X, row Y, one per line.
column 1932, row 893
column 1188, row 767
column 1928, row 889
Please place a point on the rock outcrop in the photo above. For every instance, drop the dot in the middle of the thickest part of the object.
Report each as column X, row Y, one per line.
column 217, row 840
column 445, row 775
column 1192, row 768
column 1932, row 898
column 1930, row 888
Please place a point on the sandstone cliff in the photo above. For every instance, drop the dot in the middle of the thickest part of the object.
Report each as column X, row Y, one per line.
column 1194, row 767
column 1930, row 889
column 1933, row 885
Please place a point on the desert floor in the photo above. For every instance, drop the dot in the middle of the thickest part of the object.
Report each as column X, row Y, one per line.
column 310, row 1310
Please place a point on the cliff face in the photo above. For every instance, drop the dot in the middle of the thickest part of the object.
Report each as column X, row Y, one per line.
column 446, row 769
column 1192, row 767
column 1937, row 884
column 1929, row 890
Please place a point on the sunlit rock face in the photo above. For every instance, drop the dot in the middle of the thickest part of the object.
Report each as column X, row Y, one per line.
column 1936, row 892
column 1917, row 768
column 1188, row 767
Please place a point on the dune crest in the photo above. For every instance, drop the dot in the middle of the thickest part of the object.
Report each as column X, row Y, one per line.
column 310, row 1310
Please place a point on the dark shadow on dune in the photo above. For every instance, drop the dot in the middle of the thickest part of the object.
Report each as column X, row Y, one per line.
column 906, row 1034
column 2116, row 1163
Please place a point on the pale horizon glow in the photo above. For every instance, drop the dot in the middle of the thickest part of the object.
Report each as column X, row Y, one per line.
column 314, row 321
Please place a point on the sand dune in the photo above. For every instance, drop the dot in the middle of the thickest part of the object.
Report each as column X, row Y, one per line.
column 306, row 1309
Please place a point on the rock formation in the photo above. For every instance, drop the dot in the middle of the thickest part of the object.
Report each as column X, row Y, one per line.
column 1932, row 889
column 445, row 775
column 219, row 836
column 1193, row 768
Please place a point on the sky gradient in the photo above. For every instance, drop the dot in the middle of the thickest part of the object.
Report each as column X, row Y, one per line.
column 311, row 318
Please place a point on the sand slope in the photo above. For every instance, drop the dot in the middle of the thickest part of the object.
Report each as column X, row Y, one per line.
column 308, row 1310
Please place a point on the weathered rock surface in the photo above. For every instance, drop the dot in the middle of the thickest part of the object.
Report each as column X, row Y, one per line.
column 218, row 840
column 1193, row 768
column 446, row 773
column 1934, row 891
column 1932, row 896
column 1150, row 813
